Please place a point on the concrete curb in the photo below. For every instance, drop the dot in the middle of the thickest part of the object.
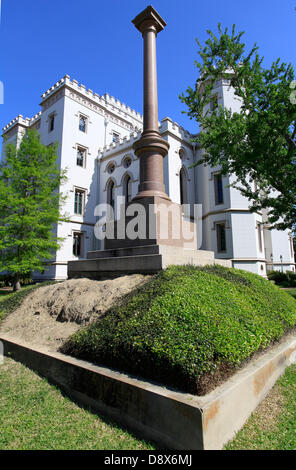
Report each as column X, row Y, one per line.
column 174, row 420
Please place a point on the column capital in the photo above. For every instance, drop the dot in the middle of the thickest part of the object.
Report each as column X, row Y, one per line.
column 149, row 18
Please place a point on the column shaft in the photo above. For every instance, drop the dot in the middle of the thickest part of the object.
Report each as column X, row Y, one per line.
column 150, row 81
column 151, row 147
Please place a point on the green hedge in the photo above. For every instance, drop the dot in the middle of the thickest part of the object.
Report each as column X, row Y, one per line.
column 287, row 279
column 189, row 327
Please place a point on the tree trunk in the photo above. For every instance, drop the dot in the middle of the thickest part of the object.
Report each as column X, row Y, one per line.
column 16, row 284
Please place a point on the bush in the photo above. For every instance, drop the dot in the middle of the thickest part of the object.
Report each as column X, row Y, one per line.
column 287, row 279
column 189, row 327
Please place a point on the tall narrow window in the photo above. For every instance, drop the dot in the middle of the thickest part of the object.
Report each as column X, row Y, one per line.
column 183, row 187
column 127, row 189
column 78, row 244
column 80, row 161
column 219, row 198
column 259, row 237
column 110, row 194
column 79, row 201
column 82, row 124
column 221, row 237
column 51, row 123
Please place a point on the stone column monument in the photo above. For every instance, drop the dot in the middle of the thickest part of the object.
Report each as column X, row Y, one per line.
column 151, row 148
column 164, row 243
column 163, row 220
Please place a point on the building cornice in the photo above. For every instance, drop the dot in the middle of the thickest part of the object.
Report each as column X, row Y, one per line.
column 279, row 263
column 245, row 260
column 82, row 223
column 224, row 211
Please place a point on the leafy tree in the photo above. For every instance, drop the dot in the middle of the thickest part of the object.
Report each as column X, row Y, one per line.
column 257, row 144
column 30, row 205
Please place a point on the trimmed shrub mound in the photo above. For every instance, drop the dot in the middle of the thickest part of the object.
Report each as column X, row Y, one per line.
column 189, row 327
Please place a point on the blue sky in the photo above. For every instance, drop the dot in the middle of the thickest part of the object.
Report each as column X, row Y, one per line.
column 95, row 42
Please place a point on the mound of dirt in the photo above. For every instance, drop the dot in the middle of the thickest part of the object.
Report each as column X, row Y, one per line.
column 52, row 313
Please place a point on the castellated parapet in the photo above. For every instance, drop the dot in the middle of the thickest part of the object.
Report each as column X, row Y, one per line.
column 107, row 101
column 166, row 125
column 21, row 121
column 123, row 143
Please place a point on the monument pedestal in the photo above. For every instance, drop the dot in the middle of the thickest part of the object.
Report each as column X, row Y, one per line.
column 152, row 220
column 146, row 259
column 168, row 238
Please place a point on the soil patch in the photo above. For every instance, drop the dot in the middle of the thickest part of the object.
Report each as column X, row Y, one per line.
column 50, row 314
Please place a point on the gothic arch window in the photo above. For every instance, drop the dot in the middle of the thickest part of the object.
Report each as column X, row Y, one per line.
column 127, row 188
column 183, row 186
column 111, row 193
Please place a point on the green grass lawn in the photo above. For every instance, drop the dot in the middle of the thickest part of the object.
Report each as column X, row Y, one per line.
column 273, row 425
column 36, row 415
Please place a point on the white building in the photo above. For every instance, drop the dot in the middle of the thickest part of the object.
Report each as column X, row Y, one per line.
column 96, row 134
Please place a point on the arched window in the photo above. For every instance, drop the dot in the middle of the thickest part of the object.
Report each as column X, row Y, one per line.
column 183, row 187
column 110, row 194
column 127, row 189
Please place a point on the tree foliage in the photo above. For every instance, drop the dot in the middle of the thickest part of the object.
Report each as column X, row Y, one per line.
column 258, row 143
column 30, row 204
